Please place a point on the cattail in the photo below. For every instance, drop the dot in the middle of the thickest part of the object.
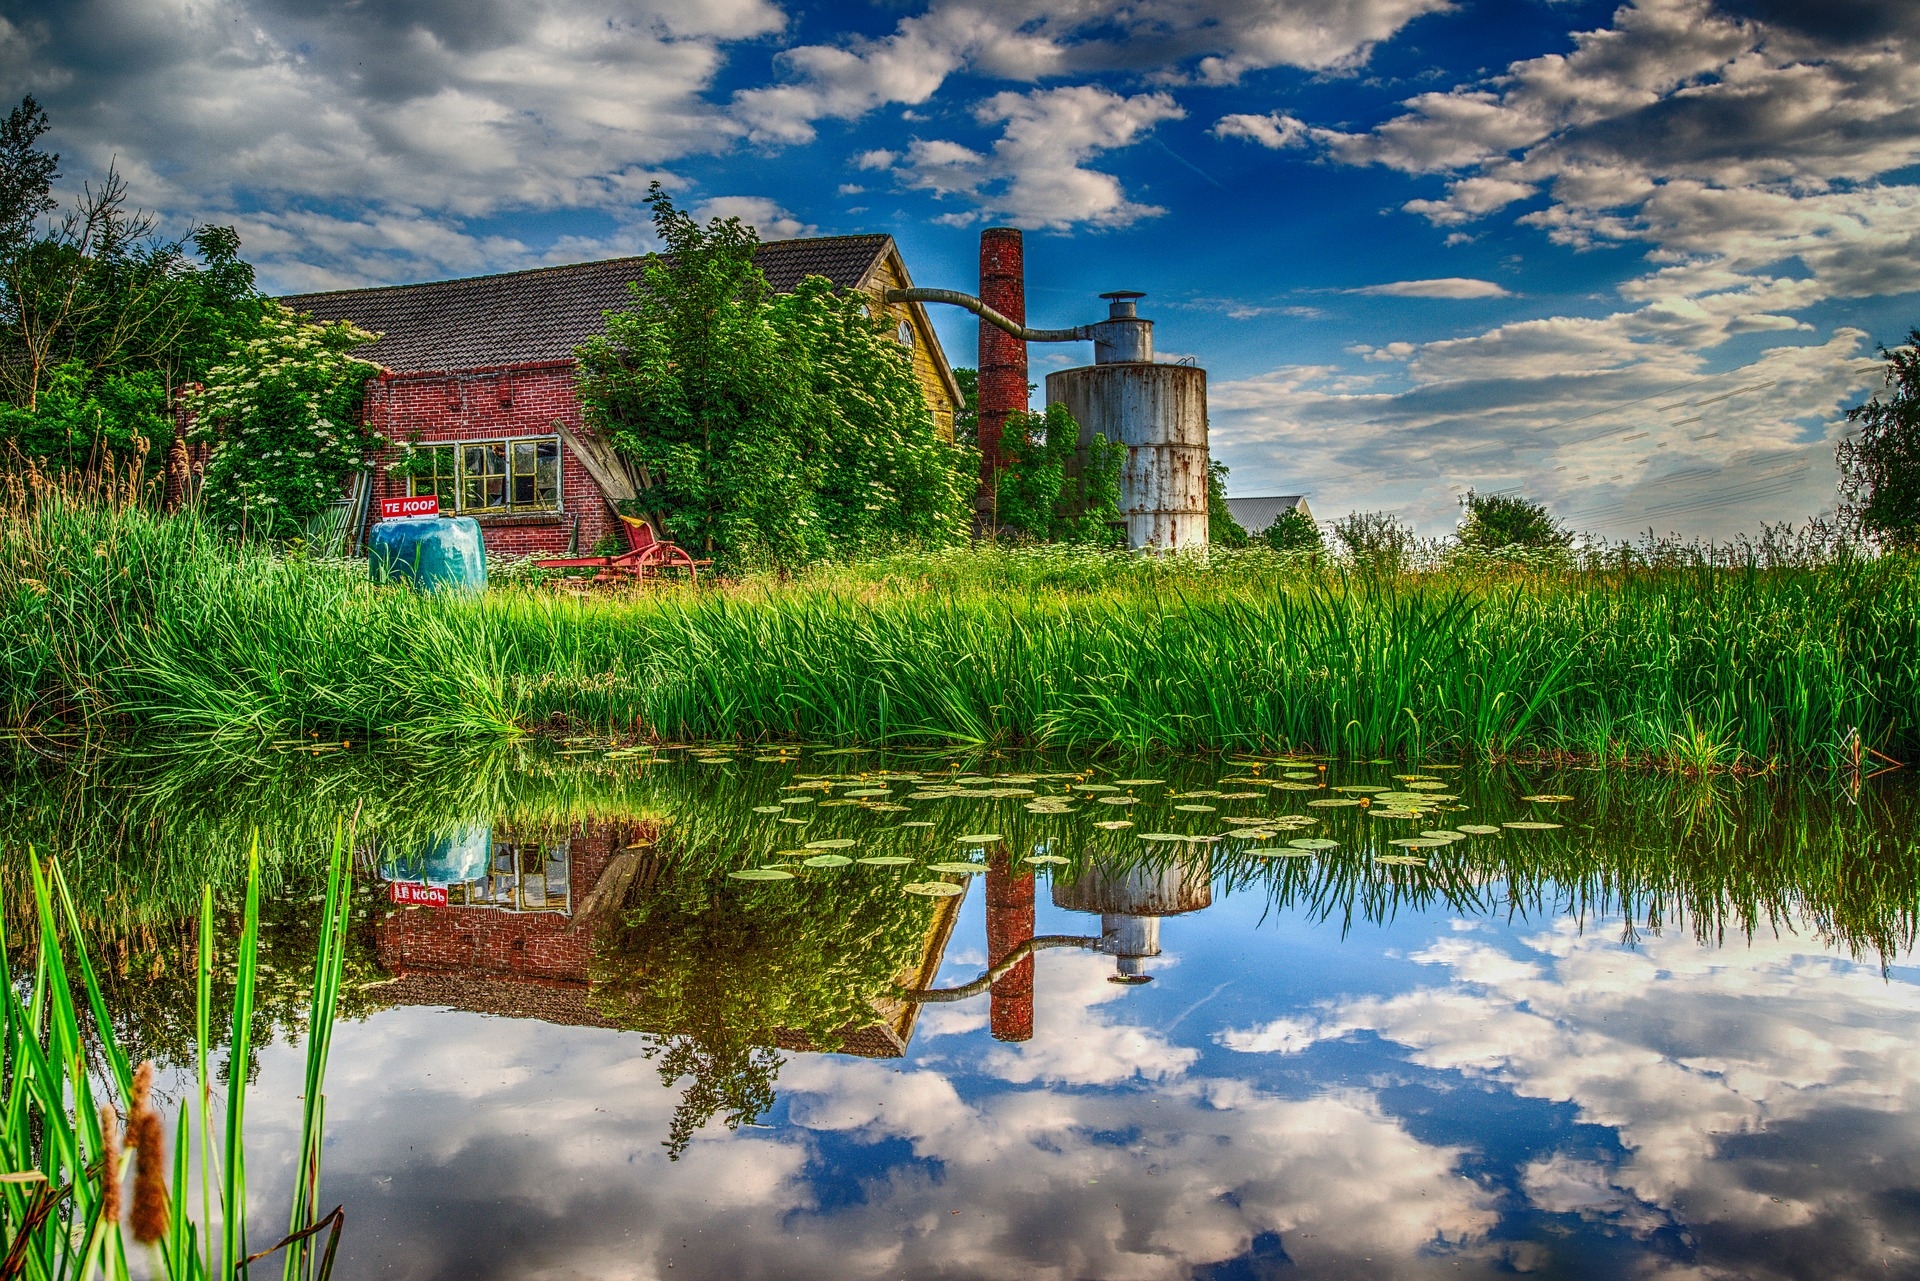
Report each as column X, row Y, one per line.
column 109, row 1165
column 150, row 1173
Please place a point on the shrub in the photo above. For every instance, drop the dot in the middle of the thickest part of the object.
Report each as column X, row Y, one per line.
column 1376, row 540
column 1294, row 532
column 1880, row 466
column 1053, row 490
column 1497, row 522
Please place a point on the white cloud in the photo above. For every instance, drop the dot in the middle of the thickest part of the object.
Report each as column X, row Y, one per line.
column 425, row 113
column 1277, row 131
column 763, row 215
column 1208, row 41
column 1443, row 287
column 1035, row 174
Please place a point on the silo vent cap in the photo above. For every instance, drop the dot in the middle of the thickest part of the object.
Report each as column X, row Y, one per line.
column 1121, row 304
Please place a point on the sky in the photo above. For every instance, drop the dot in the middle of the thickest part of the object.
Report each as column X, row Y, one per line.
column 1633, row 262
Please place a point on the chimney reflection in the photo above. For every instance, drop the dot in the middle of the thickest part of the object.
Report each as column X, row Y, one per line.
column 1010, row 928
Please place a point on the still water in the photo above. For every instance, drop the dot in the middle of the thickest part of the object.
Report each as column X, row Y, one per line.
column 1194, row 1018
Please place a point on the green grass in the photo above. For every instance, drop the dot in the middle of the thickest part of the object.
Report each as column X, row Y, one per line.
column 68, row 1085
column 114, row 620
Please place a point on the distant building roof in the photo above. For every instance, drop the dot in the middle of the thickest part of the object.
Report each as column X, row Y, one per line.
column 543, row 314
column 1255, row 514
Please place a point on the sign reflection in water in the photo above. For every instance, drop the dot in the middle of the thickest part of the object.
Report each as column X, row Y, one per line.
column 1671, row 1039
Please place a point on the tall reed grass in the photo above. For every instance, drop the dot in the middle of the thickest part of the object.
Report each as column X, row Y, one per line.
column 70, row 1092
column 116, row 620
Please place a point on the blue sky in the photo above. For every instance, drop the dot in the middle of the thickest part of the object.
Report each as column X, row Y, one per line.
column 1632, row 261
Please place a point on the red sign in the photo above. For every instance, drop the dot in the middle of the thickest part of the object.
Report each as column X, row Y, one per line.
column 417, row 895
column 425, row 505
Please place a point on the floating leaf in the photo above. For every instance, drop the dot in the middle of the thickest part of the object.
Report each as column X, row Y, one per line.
column 1297, row 787
column 1529, row 825
column 958, row 869
column 1118, row 800
column 768, row 809
column 1138, row 782
column 762, row 874
column 886, row 807
column 1445, row 834
column 797, row 822
column 828, row 860
column 831, row 843
column 1479, row 829
column 1240, row 796
column 1197, row 809
column 1302, row 774
column 1093, row 787
column 1332, row 802
column 1162, row 837
column 978, row 838
column 868, row 791
column 1418, row 842
column 1400, row 860
column 884, row 860
column 1268, row 852
column 1053, row 859
column 775, row 760
column 1251, row 833
column 796, row 800
column 1550, row 798
column 933, row 889
column 1114, row 824
column 1314, row 843
column 917, row 822
column 1360, row 788
column 1416, row 778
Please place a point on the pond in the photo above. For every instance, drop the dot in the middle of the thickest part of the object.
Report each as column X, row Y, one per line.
column 979, row 1015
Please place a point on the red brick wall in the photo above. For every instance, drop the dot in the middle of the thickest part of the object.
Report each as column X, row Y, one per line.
column 490, row 404
column 487, row 940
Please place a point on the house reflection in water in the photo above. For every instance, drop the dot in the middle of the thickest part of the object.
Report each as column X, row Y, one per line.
column 517, row 935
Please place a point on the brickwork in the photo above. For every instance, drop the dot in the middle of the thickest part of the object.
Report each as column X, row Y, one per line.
column 494, row 404
column 1009, row 928
column 549, row 946
column 1003, row 358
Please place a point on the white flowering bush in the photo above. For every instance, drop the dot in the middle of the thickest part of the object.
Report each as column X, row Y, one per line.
column 283, row 418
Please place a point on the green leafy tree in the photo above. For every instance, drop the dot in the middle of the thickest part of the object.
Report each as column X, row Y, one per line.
column 966, row 416
column 1880, row 464
column 283, row 417
column 766, row 430
column 1222, row 529
column 1375, row 540
column 101, row 320
column 1501, row 522
column 1294, row 532
column 1053, row 489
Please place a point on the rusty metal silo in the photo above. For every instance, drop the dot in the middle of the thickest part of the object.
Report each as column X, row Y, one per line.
column 1159, row 412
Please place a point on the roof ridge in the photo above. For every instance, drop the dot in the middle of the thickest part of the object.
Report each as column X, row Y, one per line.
column 569, row 266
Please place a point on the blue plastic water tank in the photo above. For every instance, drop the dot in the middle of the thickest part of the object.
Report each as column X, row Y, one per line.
column 431, row 552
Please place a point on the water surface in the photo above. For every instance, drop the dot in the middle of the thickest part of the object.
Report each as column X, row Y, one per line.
column 1666, row 1030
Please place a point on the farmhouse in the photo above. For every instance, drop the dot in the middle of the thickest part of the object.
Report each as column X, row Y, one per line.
column 480, row 372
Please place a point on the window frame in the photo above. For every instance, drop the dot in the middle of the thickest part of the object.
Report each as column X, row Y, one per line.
column 455, row 484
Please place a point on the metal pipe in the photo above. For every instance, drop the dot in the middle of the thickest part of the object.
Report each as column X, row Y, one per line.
column 954, row 297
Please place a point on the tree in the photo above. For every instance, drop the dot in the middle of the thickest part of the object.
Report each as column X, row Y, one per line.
column 1375, row 540
column 1880, row 464
column 26, row 175
column 1293, row 532
column 1497, row 522
column 1054, row 489
column 766, row 430
column 283, row 418
column 1222, row 529
column 101, row 319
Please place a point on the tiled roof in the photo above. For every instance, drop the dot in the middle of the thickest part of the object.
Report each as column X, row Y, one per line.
column 545, row 313
column 1255, row 514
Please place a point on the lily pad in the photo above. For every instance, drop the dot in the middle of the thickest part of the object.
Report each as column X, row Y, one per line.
column 796, row 800
column 958, row 869
column 1314, row 843
column 868, row 791
column 918, row 822
column 1551, row 798
column 1529, row 825
column 1270, row 852
column 1240, row 796
column 1197, row 809
column 1094, row 787
column 1400, row 860
column 1360, row 789
column 1052, row 859
column 884, row 860
column 1332, row 802
column 1162, row 837
column 1296, row 787
column 1445, row 834
column 1298, row 774
column 1479, row 829
column 1114, row 824
column 978, row 838
column 762, row 874
column 768, row 809
column 1138, row 782
column 1118, row 800
column 1419, row 842
column 1251, row 833
column 831, row 843
column 797, row 822
column 934, row 889
column 828, row 860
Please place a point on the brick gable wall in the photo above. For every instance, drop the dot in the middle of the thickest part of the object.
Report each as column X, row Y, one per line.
column 489, row 404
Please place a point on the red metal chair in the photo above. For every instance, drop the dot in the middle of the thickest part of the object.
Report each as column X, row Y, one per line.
column 644, row 552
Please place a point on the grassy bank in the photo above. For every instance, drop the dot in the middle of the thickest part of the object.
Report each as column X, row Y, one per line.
column 114, row 619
